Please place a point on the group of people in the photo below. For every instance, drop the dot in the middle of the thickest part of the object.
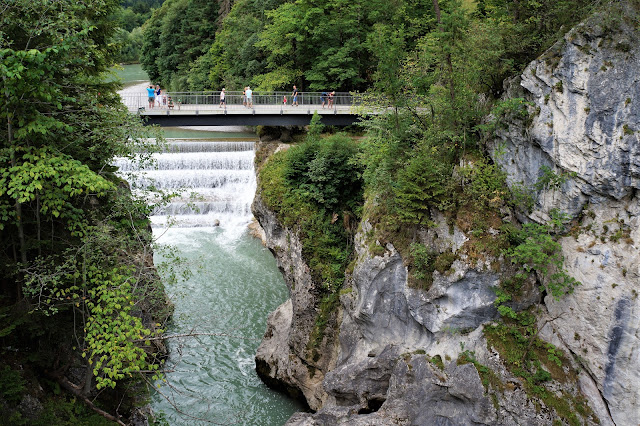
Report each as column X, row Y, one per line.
column 158, row 98
column 247, row 97
column 327, row 98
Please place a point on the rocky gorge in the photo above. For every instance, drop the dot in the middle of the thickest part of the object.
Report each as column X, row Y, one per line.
column 394, row 354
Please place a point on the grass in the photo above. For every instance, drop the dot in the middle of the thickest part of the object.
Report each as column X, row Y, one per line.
column 488, row 377
column 537, row 363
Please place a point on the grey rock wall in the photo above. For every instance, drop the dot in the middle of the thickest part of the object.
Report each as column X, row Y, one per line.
column 585, row 96
column 283, row 359
column 379, row 371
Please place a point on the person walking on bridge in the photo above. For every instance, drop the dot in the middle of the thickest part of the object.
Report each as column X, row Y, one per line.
column 331, row 95
column 249, row 92
column 294, row 96
column 223, row 100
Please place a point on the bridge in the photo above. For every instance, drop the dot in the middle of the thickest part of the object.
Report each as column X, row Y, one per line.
column 267, row 108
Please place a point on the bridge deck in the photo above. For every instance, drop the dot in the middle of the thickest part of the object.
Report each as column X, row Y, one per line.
column 193, row 109
column 203, row 109
column 247, row 117
column 267, row 115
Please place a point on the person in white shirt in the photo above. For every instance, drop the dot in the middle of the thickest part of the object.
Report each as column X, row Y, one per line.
column 223, row 100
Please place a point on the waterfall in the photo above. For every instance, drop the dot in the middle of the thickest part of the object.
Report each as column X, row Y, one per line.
column 212, row 182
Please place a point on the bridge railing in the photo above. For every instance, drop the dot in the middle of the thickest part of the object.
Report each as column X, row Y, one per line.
column 235, row 100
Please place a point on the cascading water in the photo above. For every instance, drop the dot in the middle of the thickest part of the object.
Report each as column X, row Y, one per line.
column 235, row 283
column 213, row 182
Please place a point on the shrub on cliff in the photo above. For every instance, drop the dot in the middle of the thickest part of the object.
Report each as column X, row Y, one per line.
column 323, row 172
column 311, row 187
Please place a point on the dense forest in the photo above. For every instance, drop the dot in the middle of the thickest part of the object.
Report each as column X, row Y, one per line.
column 129, row 18
column 345, row 45
column 80, row 302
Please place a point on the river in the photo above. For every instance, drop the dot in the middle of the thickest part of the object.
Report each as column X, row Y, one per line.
column 235, row 282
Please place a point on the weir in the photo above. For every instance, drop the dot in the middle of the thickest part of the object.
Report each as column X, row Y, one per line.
column 213, row 182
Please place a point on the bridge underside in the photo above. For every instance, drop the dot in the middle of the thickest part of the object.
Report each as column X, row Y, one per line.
column 203, row 119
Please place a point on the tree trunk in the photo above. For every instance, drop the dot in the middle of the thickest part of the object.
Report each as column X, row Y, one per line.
column 18, row 205
column 436, row 8
column 225, row 8
column 18, row 209
column 39, row 225
column 452, row 91
column 516, row 11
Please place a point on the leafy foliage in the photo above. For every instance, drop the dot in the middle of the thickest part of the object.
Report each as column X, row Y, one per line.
column 74, row 244
column 54, row 180
column 422, row 184
column 423, row 264
column 311, row 185
column 323, row 172
column 12, row 385
column 551, row 180
column 484, row 185
column 347, row 45
column 504, row 110
column 538, row 251
column 112, row 331
column 177, row 34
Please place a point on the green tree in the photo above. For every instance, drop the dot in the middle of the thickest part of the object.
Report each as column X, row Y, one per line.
column 66, row 234
column 322, row 171
column 421, row 185
column 527, row 28
column 175, row 37
column 234, row 56
column 388, row 45
column 322, row 45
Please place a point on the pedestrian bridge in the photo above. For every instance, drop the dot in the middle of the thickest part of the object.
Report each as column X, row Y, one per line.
column 267, row 108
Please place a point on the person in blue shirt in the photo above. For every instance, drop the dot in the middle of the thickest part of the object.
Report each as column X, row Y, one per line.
column 151, row 93
column 249, row 94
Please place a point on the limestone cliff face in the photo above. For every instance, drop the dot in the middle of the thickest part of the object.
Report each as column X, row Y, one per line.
column 390, row 335
column 284, row 359
column 391, row 357
column 585, row 94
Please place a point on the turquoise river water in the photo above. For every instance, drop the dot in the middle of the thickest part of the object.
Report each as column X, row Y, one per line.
column 235, row 282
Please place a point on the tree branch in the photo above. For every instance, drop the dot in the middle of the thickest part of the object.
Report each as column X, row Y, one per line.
column 75, row 390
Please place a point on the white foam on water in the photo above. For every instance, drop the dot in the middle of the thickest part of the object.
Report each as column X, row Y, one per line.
column 214, row 183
